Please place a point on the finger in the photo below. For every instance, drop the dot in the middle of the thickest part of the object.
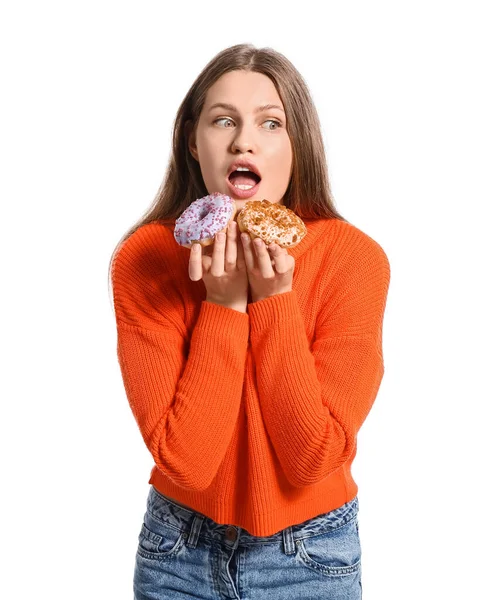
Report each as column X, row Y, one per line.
column 264, row 260
column 231, row 247
column 195, row 263
column 248, row 251
column 217, row 268
column 283, row 262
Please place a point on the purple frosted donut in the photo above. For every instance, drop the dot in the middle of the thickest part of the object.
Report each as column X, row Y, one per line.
column 203, row 219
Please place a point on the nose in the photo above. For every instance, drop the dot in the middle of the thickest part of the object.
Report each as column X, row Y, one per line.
column 243, row 140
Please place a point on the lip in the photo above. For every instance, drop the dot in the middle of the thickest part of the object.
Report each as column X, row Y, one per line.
column 242, row 194
column 243, row 162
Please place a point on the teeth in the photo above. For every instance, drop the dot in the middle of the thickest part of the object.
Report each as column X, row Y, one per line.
column 242, row 169
column 244, row 187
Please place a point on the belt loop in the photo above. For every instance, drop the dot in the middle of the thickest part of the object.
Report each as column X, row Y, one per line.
column 193, row 535
column 288, row 540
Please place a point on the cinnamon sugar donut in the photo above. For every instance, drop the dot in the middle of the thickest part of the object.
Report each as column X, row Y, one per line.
column 271, row 223
column 203, row 219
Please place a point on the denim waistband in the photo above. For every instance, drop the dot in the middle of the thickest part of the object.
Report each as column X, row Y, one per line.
column 165, row 510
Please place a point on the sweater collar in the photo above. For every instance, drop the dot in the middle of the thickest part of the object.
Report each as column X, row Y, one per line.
column 314, row 230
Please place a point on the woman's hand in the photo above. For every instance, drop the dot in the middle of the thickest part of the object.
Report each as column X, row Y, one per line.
column 222, row 267
column 270, row 270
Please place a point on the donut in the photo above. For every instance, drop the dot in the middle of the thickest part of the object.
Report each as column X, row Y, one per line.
column 203, row 219
column 271, row 223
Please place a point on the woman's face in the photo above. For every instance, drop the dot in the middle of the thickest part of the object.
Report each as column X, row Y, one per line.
column 225, row 134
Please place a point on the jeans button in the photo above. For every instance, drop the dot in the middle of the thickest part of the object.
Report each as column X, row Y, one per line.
column 231, row 534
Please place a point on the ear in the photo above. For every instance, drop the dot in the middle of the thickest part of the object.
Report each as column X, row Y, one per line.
column 190, row 136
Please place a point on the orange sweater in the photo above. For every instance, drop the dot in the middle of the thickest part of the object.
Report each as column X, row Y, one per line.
column 252, row 418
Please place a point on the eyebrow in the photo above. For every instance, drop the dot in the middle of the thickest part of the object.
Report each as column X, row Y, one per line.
column 234, row 109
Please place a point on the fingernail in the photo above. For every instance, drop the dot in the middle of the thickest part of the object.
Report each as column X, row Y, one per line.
column 221, row 237
column 244, row 236
column 195, row 247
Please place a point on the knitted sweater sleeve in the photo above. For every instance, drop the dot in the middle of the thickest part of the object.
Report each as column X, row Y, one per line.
column 184, row 389
column 315, row 396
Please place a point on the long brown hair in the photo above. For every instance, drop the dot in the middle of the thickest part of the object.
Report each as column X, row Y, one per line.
column 308, row 193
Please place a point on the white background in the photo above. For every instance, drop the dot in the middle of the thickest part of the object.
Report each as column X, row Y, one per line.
column 90, row 91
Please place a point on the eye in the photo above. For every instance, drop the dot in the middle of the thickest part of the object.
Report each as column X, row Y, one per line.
column 223, row 119
column 273, row 121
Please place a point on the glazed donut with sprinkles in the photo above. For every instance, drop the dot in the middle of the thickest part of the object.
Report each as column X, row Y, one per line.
column 203, row 219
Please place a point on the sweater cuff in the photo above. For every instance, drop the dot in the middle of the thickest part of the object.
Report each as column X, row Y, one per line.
column 214, row 317
column 276, row 309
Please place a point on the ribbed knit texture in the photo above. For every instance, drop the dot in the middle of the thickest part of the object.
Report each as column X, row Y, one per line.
column 252, row 418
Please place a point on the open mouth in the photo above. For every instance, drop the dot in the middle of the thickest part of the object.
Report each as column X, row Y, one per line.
column 244, row 180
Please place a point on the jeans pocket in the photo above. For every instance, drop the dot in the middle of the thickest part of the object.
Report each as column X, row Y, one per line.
column 158, row 540
column 336, row 552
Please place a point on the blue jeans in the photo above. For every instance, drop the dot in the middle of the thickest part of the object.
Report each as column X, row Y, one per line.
column 184, row 554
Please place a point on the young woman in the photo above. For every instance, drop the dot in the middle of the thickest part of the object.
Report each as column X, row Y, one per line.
column 249, row 369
